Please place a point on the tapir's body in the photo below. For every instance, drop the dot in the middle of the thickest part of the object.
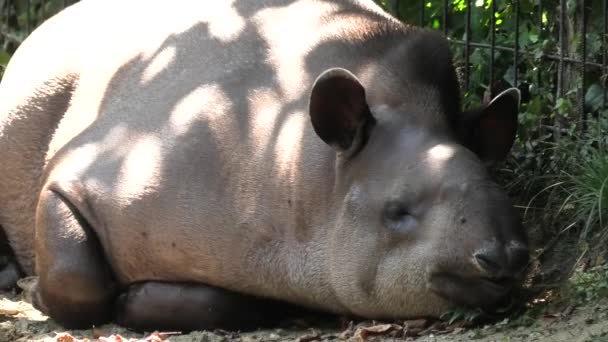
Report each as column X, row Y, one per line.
column 176, row 140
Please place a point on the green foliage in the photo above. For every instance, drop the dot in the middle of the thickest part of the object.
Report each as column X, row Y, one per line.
column 589, row 192
column 461, row 314
column 4, row 57
column 587, row 286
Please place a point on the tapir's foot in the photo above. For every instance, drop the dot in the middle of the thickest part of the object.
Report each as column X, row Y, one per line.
column 76, row 287
column 9, row 268
column 9, row 273
column 186, row 307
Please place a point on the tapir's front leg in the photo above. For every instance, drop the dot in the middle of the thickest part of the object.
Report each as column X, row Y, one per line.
column 186, row 307
column 76, row 287
column 9, row 269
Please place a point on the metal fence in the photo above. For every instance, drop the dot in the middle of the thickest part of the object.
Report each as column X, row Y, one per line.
column 561, row 67
column 566, row 65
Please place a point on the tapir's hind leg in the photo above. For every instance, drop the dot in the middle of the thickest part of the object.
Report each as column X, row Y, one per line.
column 76, row 287
column 9, row 269
column 187, row 307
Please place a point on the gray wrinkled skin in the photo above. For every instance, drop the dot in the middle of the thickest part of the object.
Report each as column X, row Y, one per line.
column 182, row 135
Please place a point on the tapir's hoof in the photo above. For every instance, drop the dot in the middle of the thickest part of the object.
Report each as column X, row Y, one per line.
column 29, row 286
column 9, row 274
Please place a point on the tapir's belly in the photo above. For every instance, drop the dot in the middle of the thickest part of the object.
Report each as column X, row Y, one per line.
column 152, row 247
column 178, row 216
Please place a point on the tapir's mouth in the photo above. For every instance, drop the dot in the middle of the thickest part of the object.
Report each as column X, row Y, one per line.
column 490, row 294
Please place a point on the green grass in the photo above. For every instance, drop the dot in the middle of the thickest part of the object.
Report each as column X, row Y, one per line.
column 589, row 195
column 587, row 286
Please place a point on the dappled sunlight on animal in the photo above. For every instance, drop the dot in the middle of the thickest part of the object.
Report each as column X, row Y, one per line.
column 238, row 157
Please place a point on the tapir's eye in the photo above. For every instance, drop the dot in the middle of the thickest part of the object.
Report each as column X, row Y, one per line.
column 397, row 218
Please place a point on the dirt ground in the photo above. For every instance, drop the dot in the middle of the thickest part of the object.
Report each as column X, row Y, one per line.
column 19, row 321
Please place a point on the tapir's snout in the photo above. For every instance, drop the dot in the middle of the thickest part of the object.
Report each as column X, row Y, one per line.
column 488, row 281
column 502, row 260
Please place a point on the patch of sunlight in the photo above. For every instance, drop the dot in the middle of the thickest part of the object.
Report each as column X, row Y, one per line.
column 287, row 47
column 460, row 5
column 265, row 106
column 225, row 24
column 436, row 23
column 287, row 150
column 140, row 171
column 83, row 157
column 438, row 155
column 206, row 101
column 158, row 64
column 498, row 18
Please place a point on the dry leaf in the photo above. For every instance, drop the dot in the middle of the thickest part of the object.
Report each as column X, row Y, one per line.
column 415, row 327
column 309, row 337
column 66, row 337
column 155, row 337
column 416, row 323
column 458, row 330
column 378, row 330
column 97, row 332
column 348, row 331
column 9, row 312
column 112, row 338
column 160, row 337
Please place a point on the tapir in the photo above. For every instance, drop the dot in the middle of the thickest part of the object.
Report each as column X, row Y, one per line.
column 191, row 164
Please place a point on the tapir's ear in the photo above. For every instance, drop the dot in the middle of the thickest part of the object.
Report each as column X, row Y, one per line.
column 490, row 130
column 338, row 110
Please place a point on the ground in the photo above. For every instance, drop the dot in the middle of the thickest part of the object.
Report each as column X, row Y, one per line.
column 19, row 321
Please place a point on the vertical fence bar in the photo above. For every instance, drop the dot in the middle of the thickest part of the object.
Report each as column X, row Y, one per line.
column 3, row 17
column 7, row 13
column 392, row 6
column 562, row 48
column 42, row 10
column 492, row 43
column 445, row 16
column 28, row 25
column 605, row 53
column 467, row 42
column 539, row 74
column 583, row 113
column 516, row 45
column 422, row 12
column 560, row 70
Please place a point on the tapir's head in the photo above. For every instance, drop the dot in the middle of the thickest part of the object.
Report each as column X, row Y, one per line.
column 419, row 225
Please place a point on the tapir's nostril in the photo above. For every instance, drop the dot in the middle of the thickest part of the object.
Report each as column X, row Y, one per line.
column 503, row 261
column 491, row 261
column 519, row 256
